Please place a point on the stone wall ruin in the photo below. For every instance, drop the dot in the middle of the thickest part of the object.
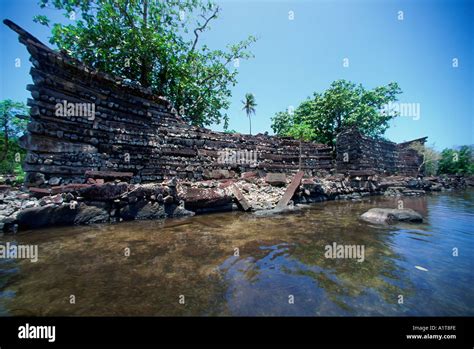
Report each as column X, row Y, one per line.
column 84, row 123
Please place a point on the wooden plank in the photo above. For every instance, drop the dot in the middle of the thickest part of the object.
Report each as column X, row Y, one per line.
column 240, row 198
column 290, row 191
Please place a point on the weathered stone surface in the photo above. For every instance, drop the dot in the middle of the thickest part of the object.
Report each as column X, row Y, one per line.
column 359, row 155
column 136, row 132
column 145, row 201
column 4, row 187
column 37, row 143
column 92, row 213
column 226, row 183
column 142, row 210
column 403, row 191
column 34, row 178
column 68, row 188
column 240, row 198
column 391, row 215
column 199, row 198
column 249, row 174
column 290, row 191
column 107, row 191
column 178, row 211
column 39, row 192
column 217, row 174
column 109, row 175
column 54, row 181
column 65, row 214
column 276, row 179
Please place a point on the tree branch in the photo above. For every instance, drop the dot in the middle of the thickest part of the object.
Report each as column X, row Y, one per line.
column 201, row 28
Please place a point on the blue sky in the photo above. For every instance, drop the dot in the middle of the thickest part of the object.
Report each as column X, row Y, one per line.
column 294, row 58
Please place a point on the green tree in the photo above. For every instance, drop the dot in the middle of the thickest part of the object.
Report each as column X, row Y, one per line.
column 302, row 132
column 457, row 161
column 430, row 158
column 12, row 122
column 12, row 125
column 343, row 105
column 249, row 107
column 155, row 43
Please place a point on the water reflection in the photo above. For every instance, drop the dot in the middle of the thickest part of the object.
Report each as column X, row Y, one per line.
column 240, row 264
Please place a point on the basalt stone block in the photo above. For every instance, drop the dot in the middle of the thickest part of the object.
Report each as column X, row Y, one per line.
column 249, row 174
column 178, row 211
column 108, row 191
column 217, row 174
column 199, row 198
column 109, row 175
column 39, row 143
column 65, row 214
column 39, row 192
column 68, row 188
column 91, row 213
column 35, row 179
column 276, row 179
column 142, row 210
column 54, row 181
column 38, row 217
column 4, row 187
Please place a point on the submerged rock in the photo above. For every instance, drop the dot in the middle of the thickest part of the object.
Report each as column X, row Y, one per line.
column 64, row 214
column 390, row 215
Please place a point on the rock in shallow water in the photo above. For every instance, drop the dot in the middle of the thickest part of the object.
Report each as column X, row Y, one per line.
column 390, row 215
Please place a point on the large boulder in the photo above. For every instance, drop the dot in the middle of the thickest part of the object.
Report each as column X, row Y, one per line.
column 276, row 179
column 91, row 213
column 391, row 215
column 64, row 214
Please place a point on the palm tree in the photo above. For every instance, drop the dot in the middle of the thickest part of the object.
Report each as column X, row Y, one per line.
column 249, row 107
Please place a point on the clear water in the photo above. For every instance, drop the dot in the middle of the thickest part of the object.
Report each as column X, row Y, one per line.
column 280, row 258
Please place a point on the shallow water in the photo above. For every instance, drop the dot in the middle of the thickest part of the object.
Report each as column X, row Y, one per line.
column 280, row 259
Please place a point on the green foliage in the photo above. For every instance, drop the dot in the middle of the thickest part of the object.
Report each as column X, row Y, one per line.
column 12, row 120
column 249, row 107
column 457, row 161
column 11, row 165
column 12, row 125
column 155, row 43
column 301, row 131
column 343, row 105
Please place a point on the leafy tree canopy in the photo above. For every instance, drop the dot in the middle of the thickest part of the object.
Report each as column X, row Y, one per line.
column 302, row 131
column 13, row 123
column 457, row 161
column 155, row 43
column 344, row 104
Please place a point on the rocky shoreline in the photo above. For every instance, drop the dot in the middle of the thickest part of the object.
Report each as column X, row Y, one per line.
column 102, row 201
